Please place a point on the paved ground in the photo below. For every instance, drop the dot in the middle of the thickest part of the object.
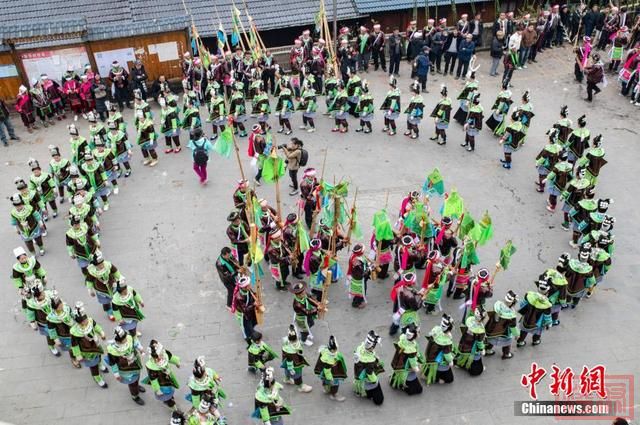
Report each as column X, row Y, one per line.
column 164, row 232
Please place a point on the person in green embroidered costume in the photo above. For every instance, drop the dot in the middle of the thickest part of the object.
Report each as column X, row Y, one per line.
column 160, row 374
column 562, row 128
column 82, row 207
column 580, row 275
column 367, row 367
column 340, row 109
column 407, row 362
column 442, row 115
column 38, row 307
column 96, row 176
column 524, row 113
column 191, row 117
column 600, row 258
column 391, row 107
column 415, row 111
column 82, row 243
column 124, row 356
column 217, row 111
column 548, row 157
column 497, row 121
column 140, row 104
column 116, row 118
column 501, row 326
column 284, row 108
column 85, row 343
column 207, row 412
column 358, row 274
column 118, row 143
column 438, row 356
column 78, row 145
column 96, row 131
column 169, row 125
column 259, row 353
column 279, row 259
column 293, row 360
column 593, row 159
column 471, row 347
column 107, row 160
column 23, row 274
column 204, row 382
column 578, row 140
column 580, row 217
column 244, row 307
column 238, row 234
column 261, row 107
column 512, row 140
column 365, row 109
column 59, row 324
column 558, row 292
column 147, row 138
column 331, row 368
column 577, row 189
column 308, row 106
column 406, row 303
column 237, row 109
column 59, row 169
column 127, row 307
column 32, row 197
column 44, row 184
column 269, row 406
column 28, row 224
column 558, row 179
column 535, row 310
column 305, row 311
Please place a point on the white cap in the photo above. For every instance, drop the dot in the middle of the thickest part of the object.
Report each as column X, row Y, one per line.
column 19, row 251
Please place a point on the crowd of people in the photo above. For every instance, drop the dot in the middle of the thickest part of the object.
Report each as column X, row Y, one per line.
column 305, row 245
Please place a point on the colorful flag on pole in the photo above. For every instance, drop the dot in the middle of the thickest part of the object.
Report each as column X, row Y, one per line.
column 222, row 37
column 356, row 230
column 467, row 224
column 453, row 205
column 382, row 226
column 469, row 255
column 235, row 34
column 483, row 230
column 224, row 144
column 434, row 185
column 273, row 169
column 505, row 255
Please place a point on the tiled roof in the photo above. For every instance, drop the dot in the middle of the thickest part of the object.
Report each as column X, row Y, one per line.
column 128, row 29
column 95, row 12
column 373, row 6
column 42, row 29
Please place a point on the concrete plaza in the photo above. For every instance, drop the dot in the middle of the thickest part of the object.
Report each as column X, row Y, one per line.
column 164, row 232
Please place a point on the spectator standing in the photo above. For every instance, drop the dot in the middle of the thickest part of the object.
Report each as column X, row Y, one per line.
column 451, row 46
column 497, row 51
column 227, row 268
column 515, row 41
column 475, row 28
column 120, row 80
column 590, row 19
column 529, row 39
column 395, row 52
column 293, row 153
column 99, row 92
column 5, row 122
column 200, row 147
column 437, row 42
column 465, row 52
column 422, row 65
column 139, row 76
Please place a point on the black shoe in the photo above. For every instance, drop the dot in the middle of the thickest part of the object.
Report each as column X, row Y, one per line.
column 141, row 389
column 464, row 145
column 14, row 138
column 129, row 106
column 139, row 401
column 393, row 329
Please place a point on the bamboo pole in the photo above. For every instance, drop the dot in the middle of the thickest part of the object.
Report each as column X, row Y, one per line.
column 351, row 221
column 236, row 12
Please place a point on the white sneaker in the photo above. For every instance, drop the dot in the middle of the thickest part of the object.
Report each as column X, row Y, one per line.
column 337, row 397
column 105, row 207
column 289, row 381
column 304, row 388
column 524, row 66
column 308, row 342
column 303, row 127
column 311, row 130
column 116, row 190
column 54, row 351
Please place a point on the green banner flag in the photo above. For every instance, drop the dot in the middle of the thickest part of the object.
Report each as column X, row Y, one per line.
column 483, row 230
column 467, row 224
column 434, row 185
column 505, row 255
column 356, row 230
column 303, row 237
column 382, row 226
column 453, row 205
column 469, row 255
column 224, row 144
column 273, row 168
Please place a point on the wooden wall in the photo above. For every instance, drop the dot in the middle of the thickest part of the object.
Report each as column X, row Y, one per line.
column 8, row 86
column 154, row 68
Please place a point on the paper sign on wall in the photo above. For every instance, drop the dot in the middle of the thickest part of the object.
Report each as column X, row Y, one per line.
column 7, row 71
column 106, row 58
column 165, row 51
column 54, row 63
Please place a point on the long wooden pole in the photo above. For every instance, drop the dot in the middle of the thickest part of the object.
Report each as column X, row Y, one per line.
column 236, row 12
column 351, row 220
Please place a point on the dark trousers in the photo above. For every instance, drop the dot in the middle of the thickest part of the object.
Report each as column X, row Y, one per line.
column 591, row 88
column 293, row 174
column 450, row 58
column 394, row 64
column 122, row 96
column 423, row 81
column 506, row 77
column 379, row 59
column 437, row 60
column 268, row 81
column 463, row 65
column 577, row 72
column 308, row 213
column 604, row 39
column 230, row 286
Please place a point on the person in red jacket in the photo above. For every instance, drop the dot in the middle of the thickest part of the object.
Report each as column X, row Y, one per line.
column 71, row 89
column 24, row 107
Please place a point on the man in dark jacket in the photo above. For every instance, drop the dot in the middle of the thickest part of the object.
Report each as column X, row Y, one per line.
column 497, row 45
column 395, row 52
column 437, row 43
column 5, row 121
column 421, row 66
column 475, row 29
column 227, row 268
column 139, row 76
column 465, row 52
column 450, row 49
column 590, row 19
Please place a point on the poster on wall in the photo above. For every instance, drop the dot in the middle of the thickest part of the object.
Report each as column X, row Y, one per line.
column 165, row 51
column 54, row 63
column 106, row 58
